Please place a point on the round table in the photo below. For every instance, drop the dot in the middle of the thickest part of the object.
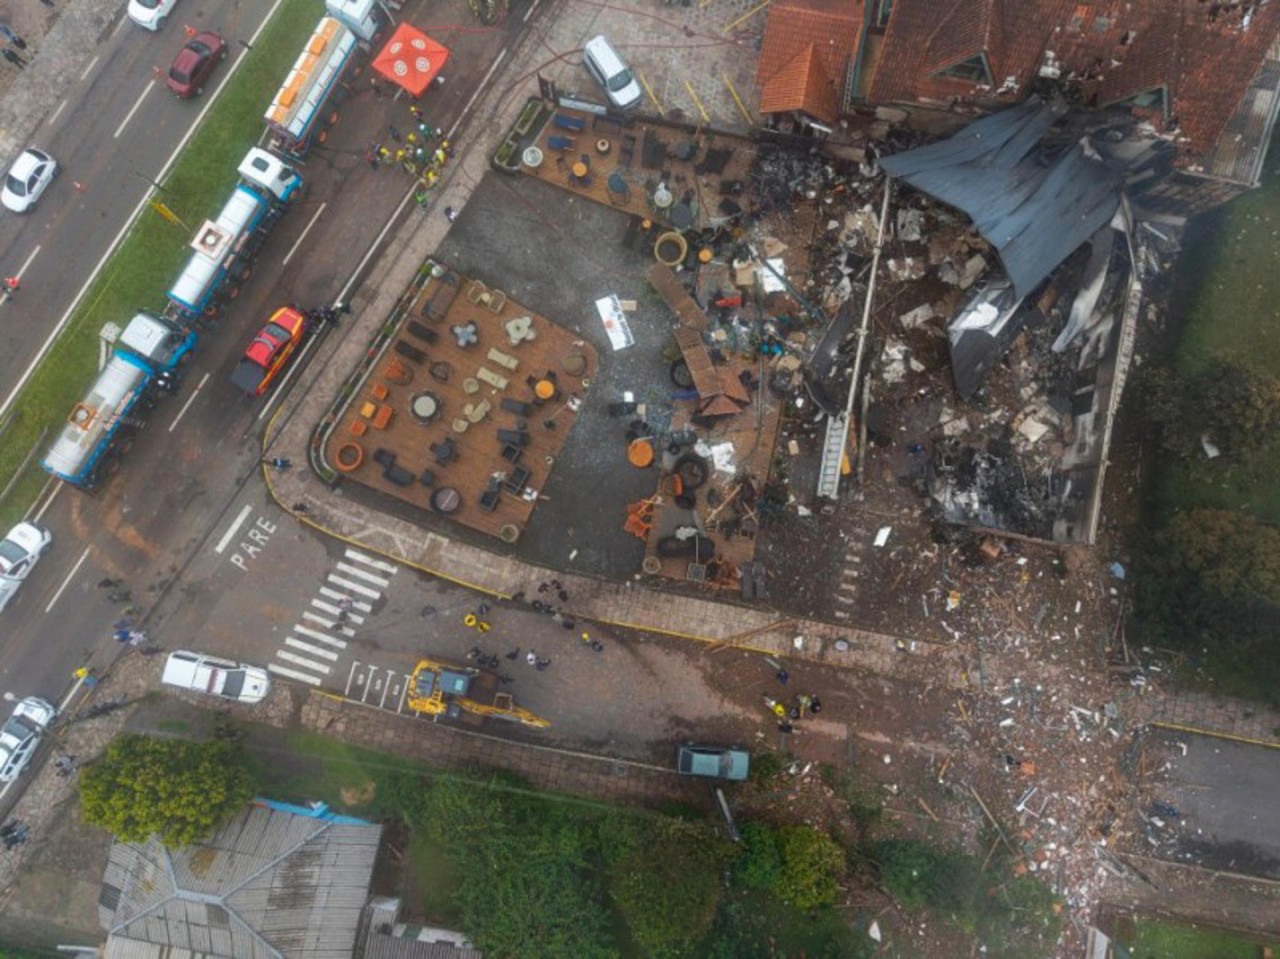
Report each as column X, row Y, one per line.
column 532, row 157
column 662, row 198
column 544, row 389
column 640, row 453
column 602, row 146
column 580, row 170
column 682, row 216
column 446, row 500
column 424, row 406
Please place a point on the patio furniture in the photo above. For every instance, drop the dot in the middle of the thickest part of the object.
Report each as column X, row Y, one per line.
column 446, row 500
column 496, row 380
column 619, row 191
column 561, row 143
column 503, row 359
column 446, row 451
column 564, row 122
column 517, row 479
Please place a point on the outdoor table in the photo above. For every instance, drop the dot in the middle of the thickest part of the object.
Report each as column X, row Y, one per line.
column 682, row 216
column 580, row 170
column 602, row 146
column 544, row 389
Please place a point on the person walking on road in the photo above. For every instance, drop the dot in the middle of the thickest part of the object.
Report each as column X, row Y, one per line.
column 12, row 56
column 8, row 34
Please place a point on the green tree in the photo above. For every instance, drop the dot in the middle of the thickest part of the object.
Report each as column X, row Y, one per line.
column 178, row 790
column 812, row 867
column 1236, row 406
column 1241, row 405
column 668, row 888
column 528, row 889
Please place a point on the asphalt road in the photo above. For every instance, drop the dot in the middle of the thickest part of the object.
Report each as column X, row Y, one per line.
column 111, row 135
column 191, row 471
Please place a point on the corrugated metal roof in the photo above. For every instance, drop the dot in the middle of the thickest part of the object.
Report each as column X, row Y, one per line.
column 1240, row 150
column 1033, row 206
column 269, row 883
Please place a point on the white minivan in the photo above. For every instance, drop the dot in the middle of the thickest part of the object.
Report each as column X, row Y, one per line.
column 603, row 63
column 217, row 677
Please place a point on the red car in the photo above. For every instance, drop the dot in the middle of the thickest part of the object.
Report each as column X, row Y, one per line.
column 194, row 62
column 269, row 351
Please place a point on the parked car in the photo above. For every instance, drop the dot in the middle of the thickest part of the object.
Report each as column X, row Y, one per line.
column 19, row 552
column 194, row 64
column 20, row 736
column 217, row 677
column 603, row 63
column 150, row 14
column 712, row 762
column 29, row 177
column 269, row 351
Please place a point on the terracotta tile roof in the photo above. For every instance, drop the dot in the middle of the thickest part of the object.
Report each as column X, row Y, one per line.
column 801, row 85
column 961, row 33
column 1204, row 54
column 807, row 46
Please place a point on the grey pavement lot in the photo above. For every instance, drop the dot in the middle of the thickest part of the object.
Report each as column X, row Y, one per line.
column 1224, row 792
column 268, row 591
column 557, row 254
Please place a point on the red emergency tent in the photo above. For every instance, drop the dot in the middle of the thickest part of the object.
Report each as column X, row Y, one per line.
column 411, row 59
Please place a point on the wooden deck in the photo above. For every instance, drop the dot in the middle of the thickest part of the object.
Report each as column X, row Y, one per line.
column 643, row 169
column 427, row 362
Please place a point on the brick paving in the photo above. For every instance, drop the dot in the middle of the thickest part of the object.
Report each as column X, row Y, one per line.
column 1215, row 715
column 445, row 746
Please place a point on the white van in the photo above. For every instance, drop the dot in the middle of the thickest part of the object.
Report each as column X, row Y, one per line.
column 603, row 63
column 218, row 677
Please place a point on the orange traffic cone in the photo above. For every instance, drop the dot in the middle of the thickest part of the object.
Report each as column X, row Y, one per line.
column 190, row 32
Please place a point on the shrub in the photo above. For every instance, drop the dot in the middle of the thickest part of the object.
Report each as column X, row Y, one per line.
column 812, row 867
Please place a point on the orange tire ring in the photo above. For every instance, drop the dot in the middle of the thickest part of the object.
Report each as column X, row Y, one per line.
column 640, row 453
column 349, row 456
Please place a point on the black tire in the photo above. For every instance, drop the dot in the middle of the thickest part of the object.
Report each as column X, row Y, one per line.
column 692, row 470
column 681, row 376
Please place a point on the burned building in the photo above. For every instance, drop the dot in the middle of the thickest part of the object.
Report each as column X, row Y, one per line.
column 1203, row 76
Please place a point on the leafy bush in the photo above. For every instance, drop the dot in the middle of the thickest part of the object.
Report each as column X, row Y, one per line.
column 1013, row 916
column 766, row 767
column 760, row 865
column 669, row 886
column 755, row 925
column 527, row 889
column 1234, row 405
column 1210, row 580
column 812, row 867
column 178, row 790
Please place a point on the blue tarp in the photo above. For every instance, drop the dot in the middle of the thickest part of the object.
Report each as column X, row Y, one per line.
column 1034, row 204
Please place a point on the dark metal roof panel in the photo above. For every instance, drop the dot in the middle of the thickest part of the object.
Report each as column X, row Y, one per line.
column 1035, row 206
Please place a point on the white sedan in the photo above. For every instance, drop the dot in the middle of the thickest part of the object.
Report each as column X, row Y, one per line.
column 29, row 176
column 19, row 553
column 150, row 14
column 20, row 736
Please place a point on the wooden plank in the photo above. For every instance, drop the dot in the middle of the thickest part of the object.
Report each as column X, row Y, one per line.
column 703, row 371
column 673, row 293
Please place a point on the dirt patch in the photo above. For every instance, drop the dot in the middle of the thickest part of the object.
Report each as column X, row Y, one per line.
column 356, row 796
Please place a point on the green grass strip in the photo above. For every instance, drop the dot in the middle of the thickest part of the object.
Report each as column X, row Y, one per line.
column 151, row 255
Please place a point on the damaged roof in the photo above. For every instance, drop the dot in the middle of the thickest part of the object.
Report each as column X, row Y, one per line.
column 1034, row 205
column 1193, row 61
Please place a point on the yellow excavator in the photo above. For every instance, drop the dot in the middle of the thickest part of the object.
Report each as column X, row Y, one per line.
column 456, row 692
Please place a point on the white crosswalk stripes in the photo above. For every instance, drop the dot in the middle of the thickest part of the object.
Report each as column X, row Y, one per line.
column 293, row 674
column 368, row 577
column 330, row 624
column 322, row 637
column 328, row 593
column 353, row 586
column 368, row 560
column 326, row 629
column 311, row 664
column 310, row 650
